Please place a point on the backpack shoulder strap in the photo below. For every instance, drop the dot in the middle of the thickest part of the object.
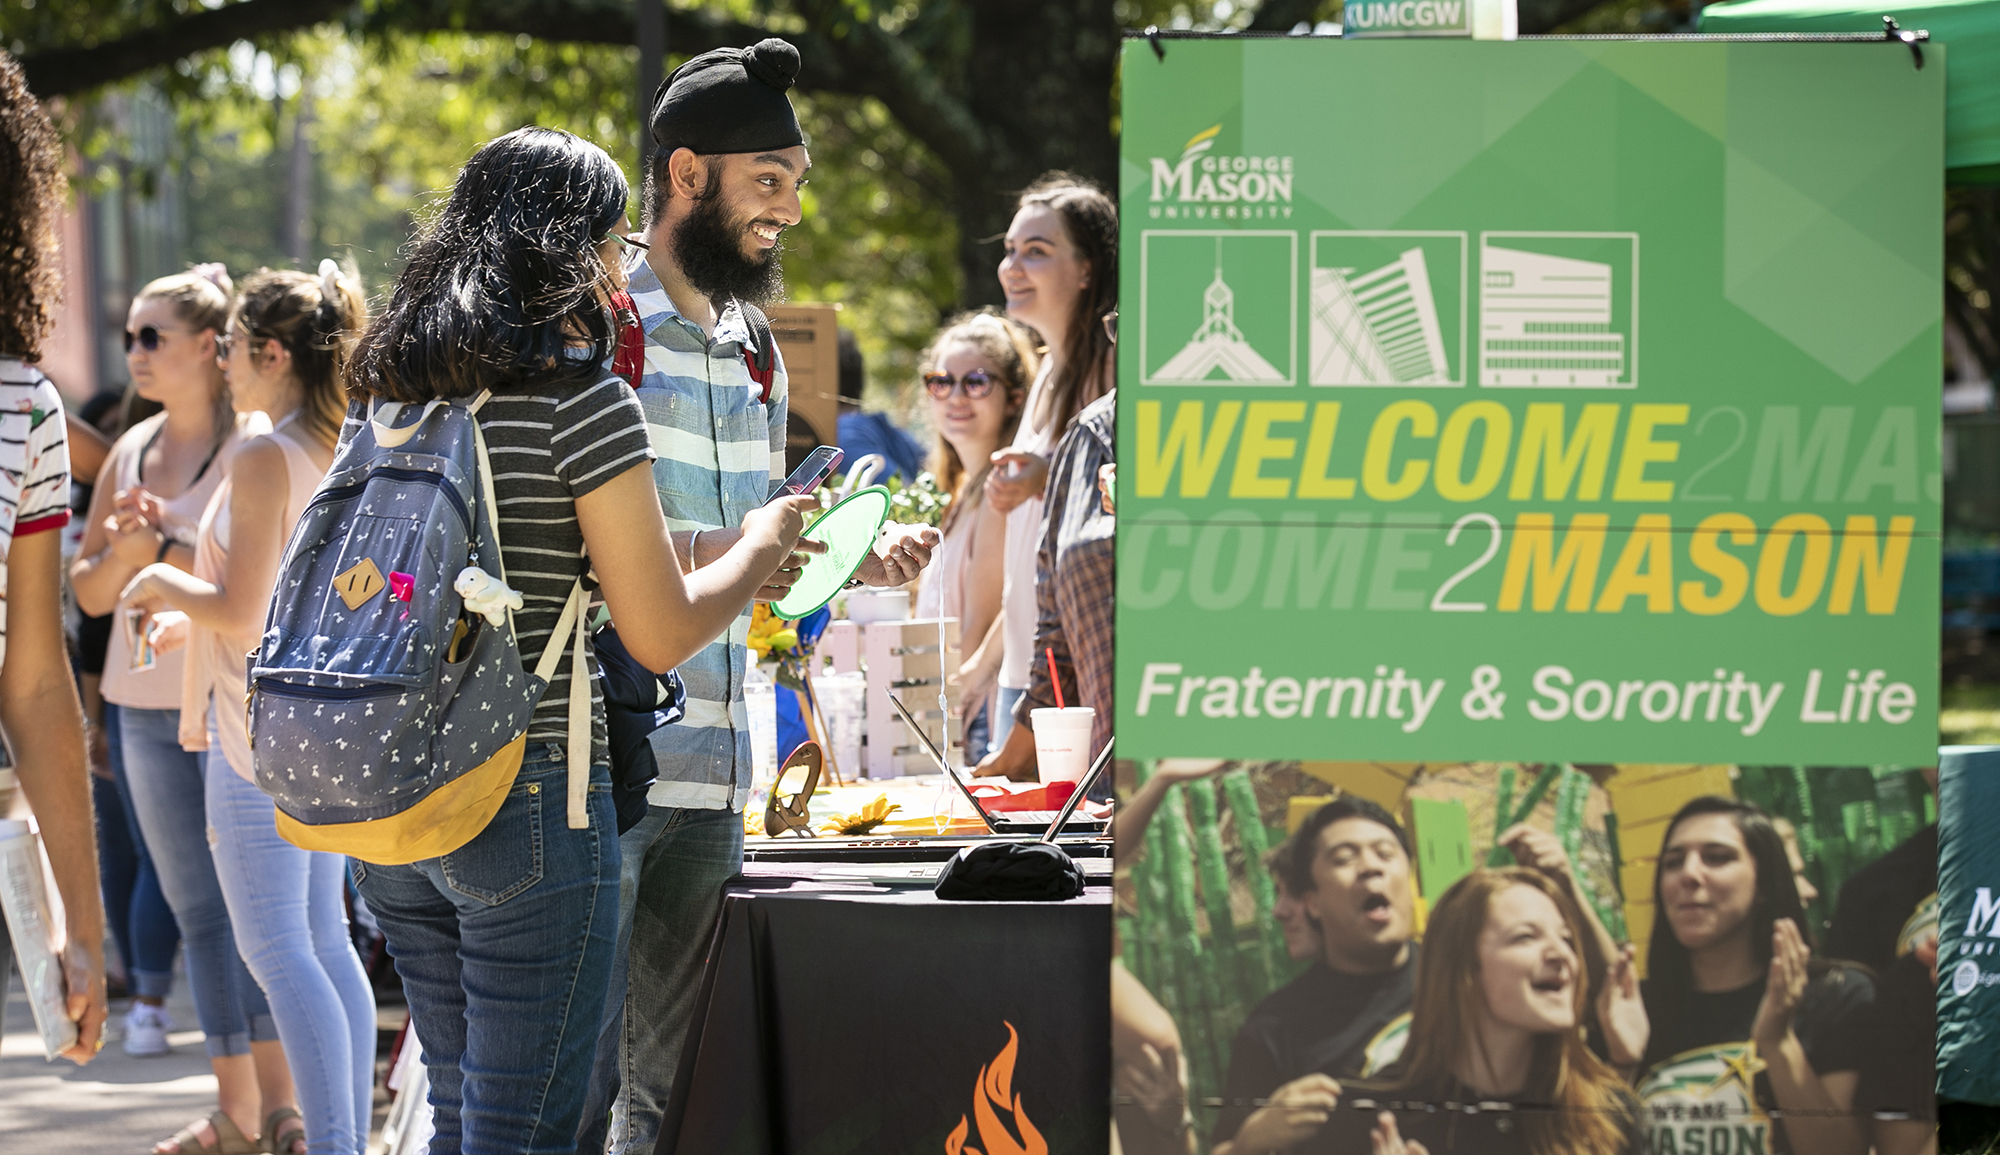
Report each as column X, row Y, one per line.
column 573, row 622
column 487, row 495
column 764, row 355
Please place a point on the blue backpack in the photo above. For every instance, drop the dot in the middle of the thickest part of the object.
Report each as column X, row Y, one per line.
column 388, row 705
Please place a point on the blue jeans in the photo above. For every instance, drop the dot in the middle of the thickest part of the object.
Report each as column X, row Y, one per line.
column 669, row 896
column 288, row 908
column 505, row 948
column 148, row 937
column 169, row 796
column 1003, row 714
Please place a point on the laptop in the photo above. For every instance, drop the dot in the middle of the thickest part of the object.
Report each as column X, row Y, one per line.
column 1037, row 822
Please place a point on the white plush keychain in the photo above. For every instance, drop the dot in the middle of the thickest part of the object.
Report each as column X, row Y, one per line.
column 486, row 594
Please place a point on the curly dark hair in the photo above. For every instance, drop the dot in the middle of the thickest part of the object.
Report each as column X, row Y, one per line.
column 32, row 187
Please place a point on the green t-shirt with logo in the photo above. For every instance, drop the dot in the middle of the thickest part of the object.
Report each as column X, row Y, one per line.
column 1705, row 1090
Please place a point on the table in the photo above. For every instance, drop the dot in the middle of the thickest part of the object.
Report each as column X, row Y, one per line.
column 840, row 1018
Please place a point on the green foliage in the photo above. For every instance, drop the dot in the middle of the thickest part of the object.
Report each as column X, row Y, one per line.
column 920, row 502
column 394, row 115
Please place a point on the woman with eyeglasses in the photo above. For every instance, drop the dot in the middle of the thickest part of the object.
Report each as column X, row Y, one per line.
column 284, row 349
column 506, row 945
column 977, row 373
column 145, row 510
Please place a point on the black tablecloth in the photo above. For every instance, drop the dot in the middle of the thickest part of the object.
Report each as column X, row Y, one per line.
column 839, row 1019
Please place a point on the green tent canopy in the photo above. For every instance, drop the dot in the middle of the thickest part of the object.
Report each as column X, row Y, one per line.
column 1970, row 29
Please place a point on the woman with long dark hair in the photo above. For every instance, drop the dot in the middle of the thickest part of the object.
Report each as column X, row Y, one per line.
column 1060, row 276
column 285, row 345
column 1501, row 997
column 1745, row 1020
column 505, row 945
column 976, row 372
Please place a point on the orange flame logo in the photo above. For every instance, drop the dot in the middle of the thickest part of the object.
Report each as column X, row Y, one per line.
column 993, row 1097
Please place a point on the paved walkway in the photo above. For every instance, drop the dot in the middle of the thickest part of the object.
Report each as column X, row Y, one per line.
column 118, row 1105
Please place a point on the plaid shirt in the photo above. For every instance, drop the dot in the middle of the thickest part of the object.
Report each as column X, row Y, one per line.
column 720, row 453
column 1076, row 574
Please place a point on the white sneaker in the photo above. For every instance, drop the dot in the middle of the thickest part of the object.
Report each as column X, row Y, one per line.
column 146, row 1028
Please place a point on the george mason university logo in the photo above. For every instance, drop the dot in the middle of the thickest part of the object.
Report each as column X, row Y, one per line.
column 1202, row 177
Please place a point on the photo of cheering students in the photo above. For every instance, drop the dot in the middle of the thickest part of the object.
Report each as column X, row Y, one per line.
column 1261, row 901
column 1746, row 1019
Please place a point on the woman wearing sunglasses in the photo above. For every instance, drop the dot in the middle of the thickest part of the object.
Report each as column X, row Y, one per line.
column 145, row 509
column 284, row 351
column 977, row 373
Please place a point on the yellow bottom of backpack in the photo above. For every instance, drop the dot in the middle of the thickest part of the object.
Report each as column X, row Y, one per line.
column 452, row 816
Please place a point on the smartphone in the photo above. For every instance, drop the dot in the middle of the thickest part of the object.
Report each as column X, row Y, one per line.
column 143, row 656
column 816, row 468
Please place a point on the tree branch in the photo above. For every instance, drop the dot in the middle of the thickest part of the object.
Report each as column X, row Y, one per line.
column 1539, row 17
column 848, row 54
column 1283, row 15
column 66, row 71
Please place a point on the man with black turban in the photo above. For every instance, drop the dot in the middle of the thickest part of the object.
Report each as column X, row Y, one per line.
column 721, row 189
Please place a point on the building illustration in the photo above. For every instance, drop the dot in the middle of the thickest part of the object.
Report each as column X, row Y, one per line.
column 1547, row 320
column 1377, row 328
column 1218, row 345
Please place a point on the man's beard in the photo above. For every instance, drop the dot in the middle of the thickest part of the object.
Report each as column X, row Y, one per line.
column 708, row 247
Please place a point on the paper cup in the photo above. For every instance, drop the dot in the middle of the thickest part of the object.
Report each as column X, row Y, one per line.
column 1062, row 741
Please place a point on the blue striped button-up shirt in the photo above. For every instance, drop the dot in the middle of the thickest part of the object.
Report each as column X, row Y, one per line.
column 720, row 453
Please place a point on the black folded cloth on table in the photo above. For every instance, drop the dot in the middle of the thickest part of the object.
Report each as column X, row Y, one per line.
column 1010, row 872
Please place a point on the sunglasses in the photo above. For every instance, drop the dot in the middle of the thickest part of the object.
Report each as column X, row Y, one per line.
column 629, row 244
column 224, row 342
column 147, row 338
column 977, row 384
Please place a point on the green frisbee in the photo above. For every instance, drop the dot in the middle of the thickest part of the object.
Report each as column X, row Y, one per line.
column 848, row 530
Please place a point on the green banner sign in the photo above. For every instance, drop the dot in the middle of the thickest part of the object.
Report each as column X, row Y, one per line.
column 1570, row 400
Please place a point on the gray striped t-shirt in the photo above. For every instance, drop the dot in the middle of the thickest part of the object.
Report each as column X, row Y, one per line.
column 547, row 450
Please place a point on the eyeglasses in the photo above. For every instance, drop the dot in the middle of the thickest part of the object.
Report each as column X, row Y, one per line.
column 147, row 338
column 626, row 242
column 1111, row 325
column 226, row 341
column 976, row 384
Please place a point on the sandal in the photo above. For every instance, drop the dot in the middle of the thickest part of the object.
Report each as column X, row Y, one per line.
column 226, row 1139
column 780, row 815
column 278, row 1139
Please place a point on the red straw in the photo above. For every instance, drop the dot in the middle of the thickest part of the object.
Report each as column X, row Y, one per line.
column 1050, row 652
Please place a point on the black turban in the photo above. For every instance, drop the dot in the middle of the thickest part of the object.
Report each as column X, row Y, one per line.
column 730, row 100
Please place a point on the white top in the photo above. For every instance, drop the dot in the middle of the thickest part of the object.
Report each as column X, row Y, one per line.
column 1024, row 540
column 160, row 687
column 216, row 663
